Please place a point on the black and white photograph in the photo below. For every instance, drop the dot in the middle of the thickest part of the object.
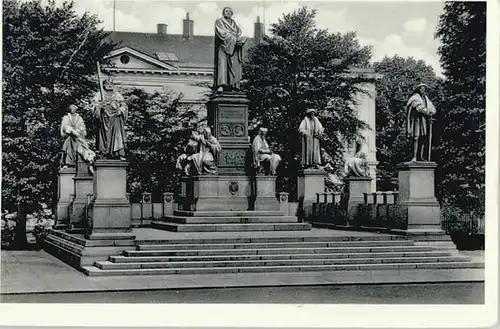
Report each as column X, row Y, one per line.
column 208, row 156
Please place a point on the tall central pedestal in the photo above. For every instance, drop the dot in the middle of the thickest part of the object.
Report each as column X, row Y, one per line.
column 228, row 117
column 234, row 188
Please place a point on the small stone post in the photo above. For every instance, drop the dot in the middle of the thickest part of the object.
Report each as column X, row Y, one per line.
column 283, row 201
column 168, row 204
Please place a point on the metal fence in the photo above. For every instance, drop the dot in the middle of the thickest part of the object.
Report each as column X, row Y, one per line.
column 463, row 223
column 379, row 211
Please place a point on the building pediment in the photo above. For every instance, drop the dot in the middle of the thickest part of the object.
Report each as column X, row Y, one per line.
column 129, row 58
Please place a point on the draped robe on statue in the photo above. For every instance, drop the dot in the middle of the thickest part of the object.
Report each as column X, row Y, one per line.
column 355, row 162
column 418, row 109
column 262, row 154
column 112, row 113
column 228, row 53
column 73, row 128
column 209, row 148
column 310, row 129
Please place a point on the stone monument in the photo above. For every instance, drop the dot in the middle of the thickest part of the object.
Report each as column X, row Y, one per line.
column 228, row 57
column 417, row 199
column 419, row 122
column 110, row 208
column 265, row 162
column 231, row 187
column 77, row 157
column 358, row 179
column 311, row 179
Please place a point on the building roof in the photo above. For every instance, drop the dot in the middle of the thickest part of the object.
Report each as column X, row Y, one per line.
column 198, row 51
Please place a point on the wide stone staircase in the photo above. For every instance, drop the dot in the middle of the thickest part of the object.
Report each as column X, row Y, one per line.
column 242, row 254
column 229, row 221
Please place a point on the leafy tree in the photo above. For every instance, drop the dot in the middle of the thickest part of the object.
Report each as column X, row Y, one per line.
column 462, row 31
column 157, row 131
column 400, row 76
column 49, row 56
column 299, row 66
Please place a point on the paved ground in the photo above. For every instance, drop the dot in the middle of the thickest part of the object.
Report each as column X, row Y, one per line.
column 448, row 293
column 37, row 271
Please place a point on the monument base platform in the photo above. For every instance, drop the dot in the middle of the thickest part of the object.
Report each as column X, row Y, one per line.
column 161, row 253
column 79, row 251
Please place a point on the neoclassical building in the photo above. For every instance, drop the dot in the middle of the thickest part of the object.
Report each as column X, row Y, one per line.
column 184, row 63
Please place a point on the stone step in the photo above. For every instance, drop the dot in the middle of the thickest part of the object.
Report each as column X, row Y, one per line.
column 260, row 239
column 142, row 259
column 264, row 251
column 274, row 245
column 174, row 227
column 58, row 242
column 107, row 265
column 81, row 241
column 230, row 220
column 94, row 271
column 222, row 213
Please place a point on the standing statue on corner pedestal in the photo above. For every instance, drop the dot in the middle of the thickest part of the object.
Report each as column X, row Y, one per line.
column 111, row 112
column 419, row 122
column 75, row 145
column 311, row 129
column 228, row 52
column 262, row 154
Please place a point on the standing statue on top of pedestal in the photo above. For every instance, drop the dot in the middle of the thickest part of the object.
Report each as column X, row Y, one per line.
column 111, row 112
column 310, row 130
column 228, row 52
column 75, row 145
column 264, row 160
column 419, row 122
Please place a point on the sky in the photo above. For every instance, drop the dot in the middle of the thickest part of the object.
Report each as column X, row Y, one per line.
column 391, row 28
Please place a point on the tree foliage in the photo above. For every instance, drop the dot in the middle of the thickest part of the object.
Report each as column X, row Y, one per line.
column 462, row 31
column 49, row 56
column 157, row 131
column 400, row 76
column 300, row 66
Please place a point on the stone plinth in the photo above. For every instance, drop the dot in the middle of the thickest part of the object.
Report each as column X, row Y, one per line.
column 65, row 188
column 357, row 187
column 265, row 193
column 228, row 118
column 229, row 193
column 110, row 208
column 417, row 200
column 83, row 186
column 309, row 182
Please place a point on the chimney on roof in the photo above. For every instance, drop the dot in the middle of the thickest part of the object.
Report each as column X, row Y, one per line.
column 187, row 27
column 162, row 28
column 258, row 32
